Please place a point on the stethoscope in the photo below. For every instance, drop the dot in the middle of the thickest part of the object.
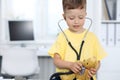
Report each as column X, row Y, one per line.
column 83, row 40
column 77, row 54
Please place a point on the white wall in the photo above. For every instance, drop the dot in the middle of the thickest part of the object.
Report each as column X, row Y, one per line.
column 0, row 20
column 42, row 15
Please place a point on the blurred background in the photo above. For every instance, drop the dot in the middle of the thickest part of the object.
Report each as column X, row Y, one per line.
column 43, row 17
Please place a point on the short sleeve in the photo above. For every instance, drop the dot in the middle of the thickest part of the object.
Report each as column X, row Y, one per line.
column 99, row 50
column 58, row 47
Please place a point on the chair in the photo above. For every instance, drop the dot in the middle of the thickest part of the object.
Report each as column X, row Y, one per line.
column 19, row 62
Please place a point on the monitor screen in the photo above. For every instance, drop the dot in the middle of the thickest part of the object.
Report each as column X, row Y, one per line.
column 21, row 30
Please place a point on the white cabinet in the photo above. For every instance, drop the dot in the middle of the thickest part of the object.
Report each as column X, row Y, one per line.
column 109, row 34
column 110, row 66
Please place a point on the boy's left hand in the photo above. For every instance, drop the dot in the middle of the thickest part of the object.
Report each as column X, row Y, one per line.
column 92, row 72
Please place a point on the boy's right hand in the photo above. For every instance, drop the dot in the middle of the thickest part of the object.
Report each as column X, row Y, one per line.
column 76, row 67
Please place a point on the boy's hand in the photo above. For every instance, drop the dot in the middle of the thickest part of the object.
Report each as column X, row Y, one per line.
column 75, row 67
column 92, row 72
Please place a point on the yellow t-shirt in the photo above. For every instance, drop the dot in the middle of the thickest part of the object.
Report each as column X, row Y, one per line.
column 90, row 48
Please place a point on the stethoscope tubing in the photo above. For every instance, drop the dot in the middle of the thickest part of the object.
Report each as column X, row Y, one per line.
column 83, row 40
column 85, row 33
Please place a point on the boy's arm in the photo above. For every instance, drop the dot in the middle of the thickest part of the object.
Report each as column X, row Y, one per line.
column 73, row 66
column 59, row 62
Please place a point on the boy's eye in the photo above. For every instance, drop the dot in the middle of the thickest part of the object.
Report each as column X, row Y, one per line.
column 71, row 18
column 81, row 17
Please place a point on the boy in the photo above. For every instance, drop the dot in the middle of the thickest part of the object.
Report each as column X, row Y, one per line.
column 64, row 57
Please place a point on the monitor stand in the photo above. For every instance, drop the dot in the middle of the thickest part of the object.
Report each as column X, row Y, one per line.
column 22, row 45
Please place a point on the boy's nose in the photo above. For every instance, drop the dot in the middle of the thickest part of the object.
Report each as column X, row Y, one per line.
column 76, row 21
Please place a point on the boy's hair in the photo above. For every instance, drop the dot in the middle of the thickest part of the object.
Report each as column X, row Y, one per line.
column 73, row 4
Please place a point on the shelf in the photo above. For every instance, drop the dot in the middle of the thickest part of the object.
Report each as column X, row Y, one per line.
column 111, row 21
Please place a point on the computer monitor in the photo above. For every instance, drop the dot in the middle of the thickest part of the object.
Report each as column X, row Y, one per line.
column 20, row 31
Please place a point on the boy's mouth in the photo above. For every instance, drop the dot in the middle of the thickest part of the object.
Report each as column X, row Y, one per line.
column 76, row 26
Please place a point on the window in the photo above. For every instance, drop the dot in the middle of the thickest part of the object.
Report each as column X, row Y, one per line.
column 44, row 13
column 24, row 8
column 54, row 15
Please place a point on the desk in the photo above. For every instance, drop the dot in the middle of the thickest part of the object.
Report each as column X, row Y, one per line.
column 42, row 52
column 1, row 78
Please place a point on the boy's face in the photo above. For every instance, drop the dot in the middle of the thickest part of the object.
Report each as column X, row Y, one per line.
column 75, row 19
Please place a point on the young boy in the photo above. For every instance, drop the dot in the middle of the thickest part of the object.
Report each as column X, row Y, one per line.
column 64, row 57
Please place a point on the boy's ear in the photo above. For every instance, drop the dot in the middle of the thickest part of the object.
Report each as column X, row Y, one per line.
column 64, row 16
